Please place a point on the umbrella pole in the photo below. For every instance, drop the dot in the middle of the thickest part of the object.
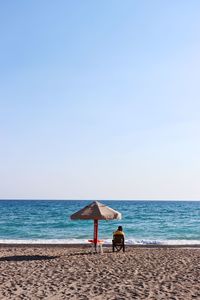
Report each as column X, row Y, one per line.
column 95, row 234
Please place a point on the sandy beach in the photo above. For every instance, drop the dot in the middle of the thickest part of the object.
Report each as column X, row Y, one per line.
column 58, row 272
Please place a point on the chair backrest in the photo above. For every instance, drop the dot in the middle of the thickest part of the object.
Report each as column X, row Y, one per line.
column 118, row 239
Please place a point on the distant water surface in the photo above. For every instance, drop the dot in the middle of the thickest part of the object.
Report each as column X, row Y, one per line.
column 144, row 222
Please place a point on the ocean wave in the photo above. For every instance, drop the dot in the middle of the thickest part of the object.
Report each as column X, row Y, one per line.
column 106, row 242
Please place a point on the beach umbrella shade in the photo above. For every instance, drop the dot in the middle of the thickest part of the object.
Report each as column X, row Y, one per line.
column 96, row 211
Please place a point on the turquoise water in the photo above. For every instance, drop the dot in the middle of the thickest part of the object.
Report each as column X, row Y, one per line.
column 144, row 222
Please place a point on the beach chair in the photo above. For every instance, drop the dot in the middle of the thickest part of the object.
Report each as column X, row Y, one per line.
column 118, row 243
column 98, row 248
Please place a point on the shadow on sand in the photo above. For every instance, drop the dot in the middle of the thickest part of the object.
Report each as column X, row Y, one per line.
column 27, row 257
column 89, row 253
column 79, row 253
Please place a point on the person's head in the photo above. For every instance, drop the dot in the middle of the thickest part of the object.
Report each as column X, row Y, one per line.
column 120, row 228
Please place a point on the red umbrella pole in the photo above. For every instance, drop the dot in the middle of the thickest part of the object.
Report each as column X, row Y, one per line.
column 95, row 233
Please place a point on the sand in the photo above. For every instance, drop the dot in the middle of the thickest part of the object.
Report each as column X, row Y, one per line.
column 74, row 273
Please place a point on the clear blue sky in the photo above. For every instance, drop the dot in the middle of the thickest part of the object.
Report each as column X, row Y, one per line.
column 100, row 99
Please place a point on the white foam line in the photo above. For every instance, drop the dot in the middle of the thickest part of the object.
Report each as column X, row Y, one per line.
column 106, row 241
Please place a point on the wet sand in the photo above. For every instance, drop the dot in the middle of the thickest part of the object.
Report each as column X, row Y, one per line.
column 64, row 272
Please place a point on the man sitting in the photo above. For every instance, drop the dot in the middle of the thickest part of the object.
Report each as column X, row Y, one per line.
column 118, row 240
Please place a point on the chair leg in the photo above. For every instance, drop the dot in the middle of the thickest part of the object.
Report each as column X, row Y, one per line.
column 101, row 248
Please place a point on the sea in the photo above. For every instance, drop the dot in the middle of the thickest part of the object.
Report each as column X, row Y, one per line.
column 144, row 222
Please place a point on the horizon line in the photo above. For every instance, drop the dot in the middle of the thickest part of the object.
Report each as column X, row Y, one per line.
column 53, row 199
